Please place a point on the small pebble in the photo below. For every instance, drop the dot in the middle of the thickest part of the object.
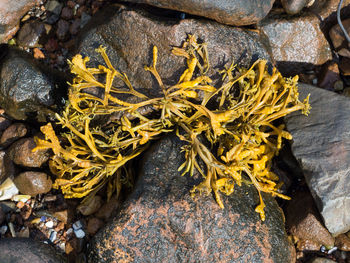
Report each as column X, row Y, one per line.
column 12, row 229
column 53, row 236
column 77, row 225
column 49, row 224
column 79, row 233
column 3, row 230
column 43, row 218
column 69, row 231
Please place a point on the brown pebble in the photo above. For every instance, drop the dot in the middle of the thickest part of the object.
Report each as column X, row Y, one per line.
column 21, row 153
column 33, row 183
column 51, row 45
column 75, row 27
column 67, row 13
column 61, row 216
column 90, row 207
column 108, row 208
column 20, row 204
column 13, row 133
column 59, row 226
column 342, row 242
column 62, row 29
column 26, row 211
column 94, row 224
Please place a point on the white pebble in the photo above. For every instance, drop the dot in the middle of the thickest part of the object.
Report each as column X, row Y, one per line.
column 77, row 225
column 49, row 224
column 3, row 230
column 53, row 236
column 69, row 231
column 79, row 233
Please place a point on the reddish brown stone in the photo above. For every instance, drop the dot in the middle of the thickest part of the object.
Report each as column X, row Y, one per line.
column 304, row 222
column 108, row 209
column 329, row 76
column 12, row 133
column 21, row 153
column 10, row 14
column 33, row 183
column 91, row 206
column 342, row 242
column 93, row 225
column 67, row 13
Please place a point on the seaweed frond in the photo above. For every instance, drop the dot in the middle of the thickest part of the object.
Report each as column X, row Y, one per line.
column 230, row 128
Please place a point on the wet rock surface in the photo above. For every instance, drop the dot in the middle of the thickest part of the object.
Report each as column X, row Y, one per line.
column 7, row 169
column 293, row 7
column 12, row 133
column 129, row 36
column 324, row 158
column 33, row 183
column 10, row 14
column 30, row 34
column 235, row 12
column 287, row 37
column 21, row 153
column 27, row 89
column 25, row 250
column 160, row 222
column 304, row 222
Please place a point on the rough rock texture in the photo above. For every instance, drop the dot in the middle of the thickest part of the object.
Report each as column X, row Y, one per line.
column 21, row 153
column 293, row 7
column 321, row 143
column 33, row 183
column 338, row 39
column 303, row 221
column 160, row 222
column 288, row 37
column 10, row 14
column 129, row 36
column 27, row 90
column 25, row 250
column 234, row 12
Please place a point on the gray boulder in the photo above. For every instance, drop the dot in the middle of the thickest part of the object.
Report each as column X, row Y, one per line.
column 234, row 12
column 321, row 143
column 160, row 222
column 28, row 90
column 129, row 36
column 25, row 250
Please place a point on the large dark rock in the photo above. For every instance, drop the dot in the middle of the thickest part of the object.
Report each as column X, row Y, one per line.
column 28, row 90
column 25, row 250
column 321, row 143
column 288, row 37
column 129, row 36
column 160, row 222
column 11, row 13
column 234, row 12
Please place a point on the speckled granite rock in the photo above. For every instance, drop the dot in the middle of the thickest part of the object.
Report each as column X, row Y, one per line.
column 129, row 36
column 25, row 250
column 321, row 143
column 160, row 222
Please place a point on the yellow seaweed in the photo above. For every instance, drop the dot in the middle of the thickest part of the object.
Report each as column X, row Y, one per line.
column 235, row 119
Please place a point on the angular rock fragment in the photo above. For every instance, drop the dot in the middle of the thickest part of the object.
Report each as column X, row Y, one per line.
column 321, row 143
column 160, row 222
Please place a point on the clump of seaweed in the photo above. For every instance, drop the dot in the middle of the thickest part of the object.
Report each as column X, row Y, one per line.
column 230, row 128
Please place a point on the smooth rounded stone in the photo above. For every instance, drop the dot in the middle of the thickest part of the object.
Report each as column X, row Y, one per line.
column 62, row 29
column 28, row 90
column 234, row 12
column 13, row 133
column 26, row 250
column 129, row 36
column 91, row 206
column 33, row 183
column 7, row 169
column 93, row 225
column 321, row 144
column 287, row 38
column 293, row 7
column 67, row 13
column 160, row 222
column 30, row 34
column 21, row 153
column 11, row 13
column 304, row 222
